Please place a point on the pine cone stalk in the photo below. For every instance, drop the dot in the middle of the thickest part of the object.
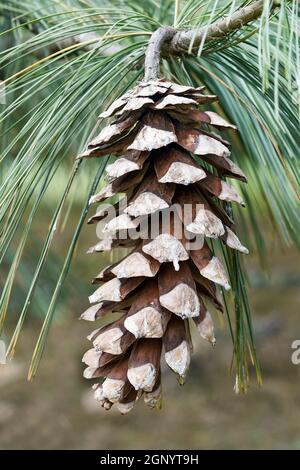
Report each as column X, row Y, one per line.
column 170, row 167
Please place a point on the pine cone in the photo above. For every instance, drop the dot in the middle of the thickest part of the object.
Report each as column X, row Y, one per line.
column 166, row 279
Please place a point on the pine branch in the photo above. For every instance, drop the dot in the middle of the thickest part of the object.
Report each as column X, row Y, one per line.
column 167, row 41
column 181, row 41
column 152, row 57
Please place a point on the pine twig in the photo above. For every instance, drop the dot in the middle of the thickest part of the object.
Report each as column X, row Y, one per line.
column 166, row 41
column 153, row 52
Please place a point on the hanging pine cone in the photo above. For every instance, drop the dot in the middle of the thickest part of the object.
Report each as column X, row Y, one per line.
column 159, row 134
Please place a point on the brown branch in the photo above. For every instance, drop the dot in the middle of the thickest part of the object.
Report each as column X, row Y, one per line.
column 181, row 41
column 152, row 57
column 166, row 41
